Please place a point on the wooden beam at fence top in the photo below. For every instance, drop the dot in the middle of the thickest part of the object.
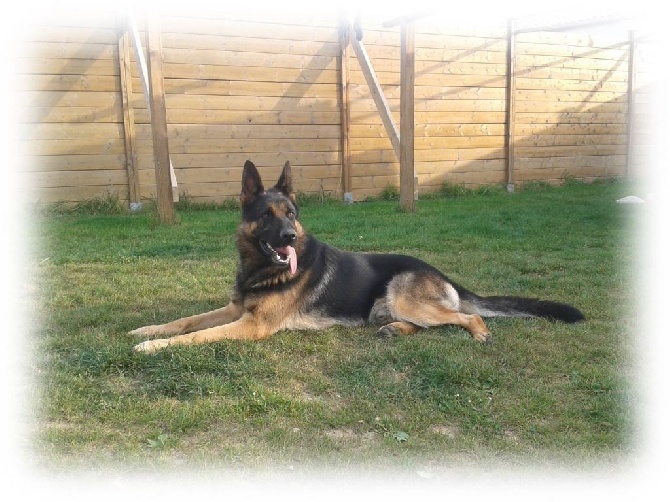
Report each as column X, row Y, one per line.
column 344, row 108
column 376, row 91
column 408, row 188
column 129, row 135
column 166, row 212
column 510, row 112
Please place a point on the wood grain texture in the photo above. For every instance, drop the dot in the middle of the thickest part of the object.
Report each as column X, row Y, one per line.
column 272, row 90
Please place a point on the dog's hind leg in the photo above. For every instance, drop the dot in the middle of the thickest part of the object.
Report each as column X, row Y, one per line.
column 218, row 317
column 381, row 315
column 425, row 300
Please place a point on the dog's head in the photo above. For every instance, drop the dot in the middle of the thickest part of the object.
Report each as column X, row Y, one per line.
column 270, row 231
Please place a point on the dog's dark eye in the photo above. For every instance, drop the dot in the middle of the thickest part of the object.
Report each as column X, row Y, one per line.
column 290, row 214
column 267, row 214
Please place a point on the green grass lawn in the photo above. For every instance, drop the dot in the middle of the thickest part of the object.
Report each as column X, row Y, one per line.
column 543, row 392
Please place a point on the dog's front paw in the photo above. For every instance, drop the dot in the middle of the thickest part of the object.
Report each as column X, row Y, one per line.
column 151, row 346
column 483, row 337
column 148, row 331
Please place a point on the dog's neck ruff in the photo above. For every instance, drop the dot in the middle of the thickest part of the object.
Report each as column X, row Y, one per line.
column 255, row 275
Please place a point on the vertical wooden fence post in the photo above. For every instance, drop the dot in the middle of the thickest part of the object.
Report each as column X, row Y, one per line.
column 408, row 180
column 408, row 185
column 166, row 212
column 632, row 46
column 128, row 114
column 345, row 114
column 510, row 112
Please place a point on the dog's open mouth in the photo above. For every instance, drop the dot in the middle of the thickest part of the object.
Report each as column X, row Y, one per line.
column 282, row 256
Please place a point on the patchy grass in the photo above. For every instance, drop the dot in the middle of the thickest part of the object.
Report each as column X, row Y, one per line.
column 542, row 392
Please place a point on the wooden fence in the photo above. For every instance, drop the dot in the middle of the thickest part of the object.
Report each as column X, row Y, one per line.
column 269, row 90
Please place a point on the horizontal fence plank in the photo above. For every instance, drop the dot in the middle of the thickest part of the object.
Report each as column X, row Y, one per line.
column 570, row 140
column 243, row 59
column 249, row 73
column 467, row 117
column 69, row 99
column 234, row 174
column 73, row 51
column 241, row 44
column 421, row 143
column 461, row 166
column 98, row 178
column 618, row 87
column 326, row 90
column 426, row 92
column 68, row 83
column 46, row 66
column 70, row 114
column 569, row 151
column 528, row 45
column 461, row 154
column 570, row 96
column 241, row 117
column 435, row 69
column 560, row 173
column 236, row 103
column 441, row 105
column 75, row 162
column 432, row 130
column 589, row 64
column 232, row 159
column 442, row 55
column 79, row 146
column 575, row 161
column 472, row 178
column 74, row 194
column 570, row 129
column 571, row 117
column 206, row 146
column 70, row 131
column 245, row 131
column 433, row 155
column 582, row 75
column 582, row 107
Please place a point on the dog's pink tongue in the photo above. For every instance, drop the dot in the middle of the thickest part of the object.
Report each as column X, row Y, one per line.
column 289, row 251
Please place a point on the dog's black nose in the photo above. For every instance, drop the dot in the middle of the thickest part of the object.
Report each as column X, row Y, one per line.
column 288, row 236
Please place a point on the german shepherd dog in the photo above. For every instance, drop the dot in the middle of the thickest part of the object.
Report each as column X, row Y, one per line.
column 287, row 279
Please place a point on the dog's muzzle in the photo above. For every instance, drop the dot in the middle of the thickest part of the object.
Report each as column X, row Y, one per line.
column 283, row 256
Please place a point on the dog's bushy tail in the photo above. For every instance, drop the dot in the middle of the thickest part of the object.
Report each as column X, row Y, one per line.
column 515, row 306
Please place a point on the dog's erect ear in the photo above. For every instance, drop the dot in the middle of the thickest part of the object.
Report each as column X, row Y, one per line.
column 251, row 183
column 285, row 182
